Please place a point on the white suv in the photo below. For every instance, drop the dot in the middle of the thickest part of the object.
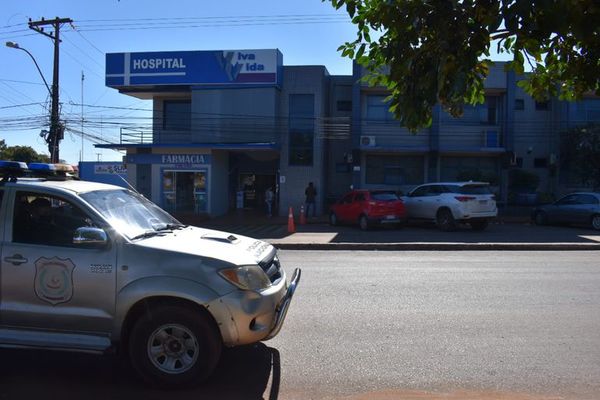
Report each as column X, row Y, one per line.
column 447, row 203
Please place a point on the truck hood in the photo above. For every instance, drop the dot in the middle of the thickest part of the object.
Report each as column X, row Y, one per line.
column 225, row 246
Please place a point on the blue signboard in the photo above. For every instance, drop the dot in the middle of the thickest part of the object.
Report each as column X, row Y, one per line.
column 234, row 67
column 169, row 159
column 112, row 172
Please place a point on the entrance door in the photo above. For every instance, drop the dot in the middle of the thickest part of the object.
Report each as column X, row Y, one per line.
column 254, row 187
column 184, row 191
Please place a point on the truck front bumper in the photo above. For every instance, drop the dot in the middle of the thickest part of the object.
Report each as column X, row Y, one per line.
column 256, row 316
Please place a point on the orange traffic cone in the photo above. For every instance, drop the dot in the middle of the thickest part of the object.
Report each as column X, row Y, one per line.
column 291, row 225
column 302, row 220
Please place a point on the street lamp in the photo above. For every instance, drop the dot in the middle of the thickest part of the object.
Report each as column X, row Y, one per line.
column 55, row 134
column 15, row 45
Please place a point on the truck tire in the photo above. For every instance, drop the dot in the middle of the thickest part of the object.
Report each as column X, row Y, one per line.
column 174, row 346
column 445, row 220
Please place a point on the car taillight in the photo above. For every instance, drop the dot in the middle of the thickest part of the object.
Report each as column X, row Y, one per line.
column 464, row 198
column 372, row 203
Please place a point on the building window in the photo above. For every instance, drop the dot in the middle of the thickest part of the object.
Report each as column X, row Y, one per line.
column 470, row 168
column 540, row 162
column 542, row 105
column 378, row 109
column 488, row 112
column 519, row 104
column 344, row 105
column 302, row 129
column 394, row 170
column 177, row 115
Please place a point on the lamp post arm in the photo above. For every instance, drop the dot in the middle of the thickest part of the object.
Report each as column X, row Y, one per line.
column 38, row 68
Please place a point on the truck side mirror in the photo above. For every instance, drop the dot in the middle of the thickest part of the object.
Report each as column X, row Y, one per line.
column 90, row 237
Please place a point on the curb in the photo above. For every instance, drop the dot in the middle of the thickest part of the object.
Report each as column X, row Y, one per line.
column 439, row 246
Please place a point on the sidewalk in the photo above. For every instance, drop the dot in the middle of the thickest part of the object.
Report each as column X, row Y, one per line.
column 510, row 232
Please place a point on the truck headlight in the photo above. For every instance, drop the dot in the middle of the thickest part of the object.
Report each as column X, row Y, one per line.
column 247, row 277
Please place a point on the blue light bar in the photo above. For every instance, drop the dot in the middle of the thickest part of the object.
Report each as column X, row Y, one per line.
column 13, row 165
column 42, row 167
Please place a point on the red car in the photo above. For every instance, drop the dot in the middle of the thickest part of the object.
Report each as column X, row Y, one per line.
column 368, row 207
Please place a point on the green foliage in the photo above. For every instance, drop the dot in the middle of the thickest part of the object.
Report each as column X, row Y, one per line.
column 21, row 153
column 580, row 154
column 522, row 181
column 428, row 51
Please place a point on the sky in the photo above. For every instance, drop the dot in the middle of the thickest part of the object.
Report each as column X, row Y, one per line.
column 307, row 32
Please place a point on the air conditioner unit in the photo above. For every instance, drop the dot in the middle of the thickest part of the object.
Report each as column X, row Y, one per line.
column 367, row 141
column 491, row 138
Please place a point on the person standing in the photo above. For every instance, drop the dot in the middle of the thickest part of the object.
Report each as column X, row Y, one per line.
column 311, row 193
column 269, row 201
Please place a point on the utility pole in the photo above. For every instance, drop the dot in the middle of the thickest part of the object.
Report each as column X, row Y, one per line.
column 56, row 129
column 82, row 78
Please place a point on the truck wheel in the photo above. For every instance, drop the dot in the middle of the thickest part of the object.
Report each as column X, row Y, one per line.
column 174, row 346
column 445, row 221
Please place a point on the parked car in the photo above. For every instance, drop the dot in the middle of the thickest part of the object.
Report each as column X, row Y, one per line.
column 448, row 203
column 92, row 267
column 367, row 208
column 581, row 208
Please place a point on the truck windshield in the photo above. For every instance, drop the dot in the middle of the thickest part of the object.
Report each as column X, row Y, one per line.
column 129, row 213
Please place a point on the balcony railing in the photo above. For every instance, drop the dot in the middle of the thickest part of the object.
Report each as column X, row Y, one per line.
column 136, row 136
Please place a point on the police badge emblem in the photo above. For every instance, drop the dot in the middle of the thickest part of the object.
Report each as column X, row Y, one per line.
column 54, row 280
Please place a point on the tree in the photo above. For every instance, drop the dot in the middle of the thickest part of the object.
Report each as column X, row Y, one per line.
column 437, row 51
column 580, row 155
column 21, row 153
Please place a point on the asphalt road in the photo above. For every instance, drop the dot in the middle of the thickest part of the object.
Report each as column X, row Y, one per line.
column 387, row 325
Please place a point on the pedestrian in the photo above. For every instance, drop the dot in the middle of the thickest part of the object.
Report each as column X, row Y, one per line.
column 311, row 193
column 269, row 201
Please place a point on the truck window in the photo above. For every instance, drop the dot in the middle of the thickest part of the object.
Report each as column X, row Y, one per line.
column 46, row 220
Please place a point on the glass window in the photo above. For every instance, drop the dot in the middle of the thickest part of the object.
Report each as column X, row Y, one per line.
column 360, row 197
column 420, row 191
column 567, row 200
column 378, row 109
column 519, row 104
column 46, row 220
column 344, row 105
column 184, row 191
column 302, row 129
column 394, row 170
column 542, row 105
column 540, row 162
column 348, row 198
column 588, row 199
column 474, row 189
column 177, row 115
column 384, row 196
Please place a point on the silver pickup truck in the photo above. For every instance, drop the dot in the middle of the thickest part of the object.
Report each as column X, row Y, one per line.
column 91, row 267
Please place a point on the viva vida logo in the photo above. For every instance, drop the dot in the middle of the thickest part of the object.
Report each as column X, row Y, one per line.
column 234, row 63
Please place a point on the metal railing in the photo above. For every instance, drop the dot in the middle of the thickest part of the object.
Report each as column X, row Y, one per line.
column 136, row 136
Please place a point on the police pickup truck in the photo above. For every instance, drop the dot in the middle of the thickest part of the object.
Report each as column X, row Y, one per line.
column 91, row 267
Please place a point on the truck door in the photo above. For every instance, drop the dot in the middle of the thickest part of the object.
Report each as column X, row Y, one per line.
column 47, row 282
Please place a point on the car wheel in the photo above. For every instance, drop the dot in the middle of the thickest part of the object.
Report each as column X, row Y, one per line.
column 445, row 221
column 596, row 222
column 363, row 222
column 333, row 219
column 540, row 218
column 479, row 225
column 174, row 346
